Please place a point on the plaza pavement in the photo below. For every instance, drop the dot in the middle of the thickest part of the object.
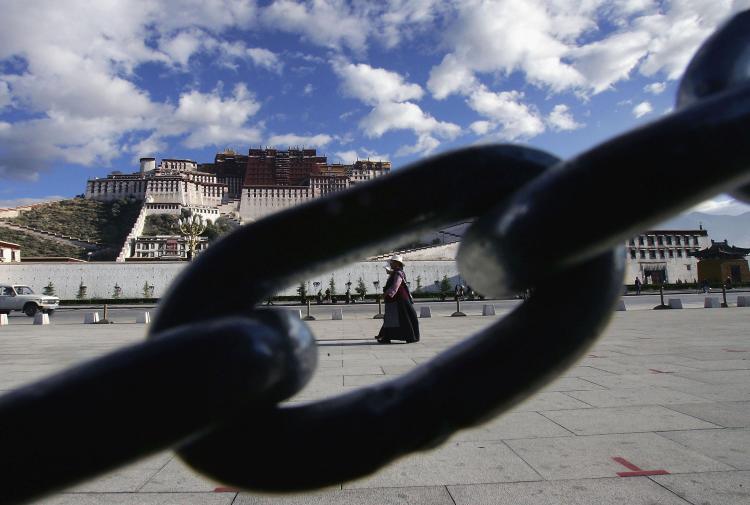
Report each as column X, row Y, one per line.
column 658, row 412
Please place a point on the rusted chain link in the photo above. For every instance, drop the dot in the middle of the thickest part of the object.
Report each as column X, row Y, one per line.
column 211, row 375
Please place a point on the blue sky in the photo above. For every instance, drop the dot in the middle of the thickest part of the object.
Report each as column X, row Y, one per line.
column 89, row 87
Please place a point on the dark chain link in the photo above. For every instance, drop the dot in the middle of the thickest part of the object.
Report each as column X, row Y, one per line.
column 210, row 378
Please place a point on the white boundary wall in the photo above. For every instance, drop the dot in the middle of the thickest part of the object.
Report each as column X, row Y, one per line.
column 100, row 277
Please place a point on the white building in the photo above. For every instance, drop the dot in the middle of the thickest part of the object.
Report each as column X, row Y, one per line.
column 657, row 256
column 10, row 252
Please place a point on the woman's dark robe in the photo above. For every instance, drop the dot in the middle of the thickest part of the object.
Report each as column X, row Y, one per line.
column 400, row 320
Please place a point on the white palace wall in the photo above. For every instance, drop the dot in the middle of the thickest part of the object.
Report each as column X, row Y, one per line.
column 101, row 277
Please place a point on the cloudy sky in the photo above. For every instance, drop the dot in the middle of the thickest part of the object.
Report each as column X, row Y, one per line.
column 87, row 87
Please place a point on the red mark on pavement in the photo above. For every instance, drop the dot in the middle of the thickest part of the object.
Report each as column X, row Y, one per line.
column 636, row 471
column 226, row 490
column 732, row 350
column 654, row 370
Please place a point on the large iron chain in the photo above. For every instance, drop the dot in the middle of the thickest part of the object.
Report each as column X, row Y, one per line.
column 210, row 377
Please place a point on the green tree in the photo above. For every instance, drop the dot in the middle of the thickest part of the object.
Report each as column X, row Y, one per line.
column 361, row 288
column 302, row 291
column 117, row 291
column 332, row 286
column 81, row 291
column 191, row 227
column 148, row 291
column 419, row 283
column 220, row 227
column 49, row 289
column 445, row 284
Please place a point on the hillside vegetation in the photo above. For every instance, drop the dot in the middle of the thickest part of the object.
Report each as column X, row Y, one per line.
column 32, row 245
column 105, row 222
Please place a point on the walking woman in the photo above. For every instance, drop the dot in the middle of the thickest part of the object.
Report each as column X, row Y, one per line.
column 400, row 320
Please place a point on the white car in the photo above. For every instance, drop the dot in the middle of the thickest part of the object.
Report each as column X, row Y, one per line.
column 23, row 298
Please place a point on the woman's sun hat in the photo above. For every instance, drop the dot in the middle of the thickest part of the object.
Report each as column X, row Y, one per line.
column 398, row 259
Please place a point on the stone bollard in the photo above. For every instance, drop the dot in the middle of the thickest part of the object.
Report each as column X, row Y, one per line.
column 143, row 318
column 91, row 318
column 3, row 319
column 675, row 303
column 337, row 315
column 488, row 310
column 41, row 318
column 425, row 312
column 711, row 303
column 743, row 301
column 621, row 306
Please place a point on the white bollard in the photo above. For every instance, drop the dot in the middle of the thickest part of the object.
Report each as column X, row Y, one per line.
column 3, row 319
column 675, row 303
column 743, row 301
column 143, row 318
column 711, row 303
column 621, row 306
column 41, row 318
column 91, row 318
column 297, row 312
column 337, row 315
column 488, row 310
column 425, row 312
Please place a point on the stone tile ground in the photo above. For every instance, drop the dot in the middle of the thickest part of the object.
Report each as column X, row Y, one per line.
column 663, row 390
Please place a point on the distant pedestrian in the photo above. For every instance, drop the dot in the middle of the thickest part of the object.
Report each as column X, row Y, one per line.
column 400, row 320
column 637, row 286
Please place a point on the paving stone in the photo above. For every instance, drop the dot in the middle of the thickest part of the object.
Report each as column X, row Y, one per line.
column 730, row 446
column 715, row 488
column 452, row 463
column 728, row 414
column 139, row 499
column 550, row 401
column 650, row 395
column 129, row 478
column 437, row 495
column 178, row 477
column 728, row 377
column 364, row 380
column 571, row 384
column 511, row 426
column 591, row 456
column 625, row 420
column 616, row 491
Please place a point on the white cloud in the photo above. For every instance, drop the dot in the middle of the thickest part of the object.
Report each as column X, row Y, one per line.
column 505, row 111
column 481, row 127
column 375, row 85
column 723, row 205
column 642, row 109
column 329, row 23
column 308, row 89
column 561, row 119
column 76, row 79
column 265, row 59
column 405, row 116
column 5, row 98
column 290, row 139
column 346, row 157
column 390, row 96
column 655, row 88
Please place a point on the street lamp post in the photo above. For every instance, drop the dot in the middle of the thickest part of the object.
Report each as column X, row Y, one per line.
column 379, row 315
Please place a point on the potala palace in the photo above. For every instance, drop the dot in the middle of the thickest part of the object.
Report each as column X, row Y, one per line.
column 243, row 188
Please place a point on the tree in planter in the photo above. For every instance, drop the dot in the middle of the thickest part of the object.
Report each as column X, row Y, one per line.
column 361, row 288
column 302, row 291
column 419, row 284
column 148, row 291
column 445, row 285
column 332, row 286
column 81, row 291
column 49, row 289
column 191, row 226
column 117, row 292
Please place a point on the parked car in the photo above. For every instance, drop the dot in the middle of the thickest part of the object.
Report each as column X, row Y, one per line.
column 23, row 298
